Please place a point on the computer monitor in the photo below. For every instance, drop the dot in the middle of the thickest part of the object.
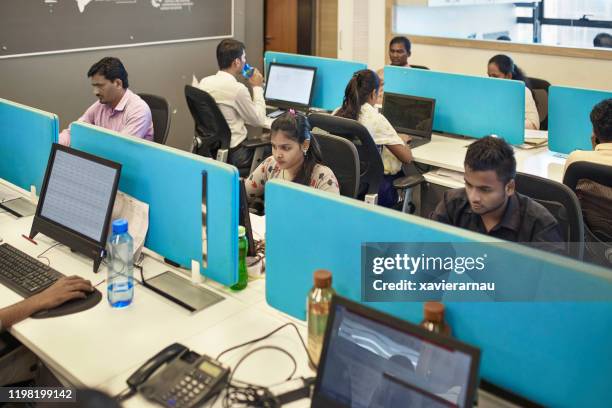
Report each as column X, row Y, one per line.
column 76, row 201
column 290, row 86
column 409, row 114
column 371, row 359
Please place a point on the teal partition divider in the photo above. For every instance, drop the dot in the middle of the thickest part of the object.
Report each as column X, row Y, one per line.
column 170, row 181
column 332, row 76
column 26, row 136
column 569, row 125
column 466, row 105
column 557, row 354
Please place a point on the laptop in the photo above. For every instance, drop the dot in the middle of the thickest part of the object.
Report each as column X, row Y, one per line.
column 412, row 115
column 371, row 359
column 289, row 87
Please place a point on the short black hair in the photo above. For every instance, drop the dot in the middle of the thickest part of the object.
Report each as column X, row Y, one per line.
column 227, row 51
column 110, row 68
column 400, row 39
column 492, row 153
column 602, row 40
column 601, row 118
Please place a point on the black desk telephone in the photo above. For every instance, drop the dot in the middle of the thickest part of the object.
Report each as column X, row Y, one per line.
column 188, row 380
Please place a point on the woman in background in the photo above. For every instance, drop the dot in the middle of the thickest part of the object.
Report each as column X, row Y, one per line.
column 502, row 67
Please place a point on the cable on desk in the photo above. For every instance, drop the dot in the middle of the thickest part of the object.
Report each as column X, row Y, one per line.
column 40, row 256
column 125, row 394
column 268, row 335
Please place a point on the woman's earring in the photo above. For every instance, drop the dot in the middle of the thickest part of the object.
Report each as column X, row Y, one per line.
column 305, row 150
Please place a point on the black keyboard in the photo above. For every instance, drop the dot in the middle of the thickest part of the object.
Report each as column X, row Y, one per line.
column 24, row 274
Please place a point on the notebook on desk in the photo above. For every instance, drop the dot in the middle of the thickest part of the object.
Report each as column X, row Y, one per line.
column 371, row 359
column 411, row 115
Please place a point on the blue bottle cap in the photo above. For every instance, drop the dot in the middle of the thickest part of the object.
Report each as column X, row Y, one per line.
column 248, row 71
column 120, row 226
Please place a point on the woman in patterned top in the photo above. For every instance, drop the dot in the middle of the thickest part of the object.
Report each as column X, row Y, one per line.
column 359, row 98
column 296, row 156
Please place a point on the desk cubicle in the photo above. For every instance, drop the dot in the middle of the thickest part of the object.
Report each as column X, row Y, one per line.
column 332, row 76
column 26, row 136
column 569, row 125
column 170, row 181
column 556, row 353
column 466, row 105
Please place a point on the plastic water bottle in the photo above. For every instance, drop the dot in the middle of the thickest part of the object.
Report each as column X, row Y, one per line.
column 317, row 312
column 243, row 275
column 120, row 266
column 248, row 71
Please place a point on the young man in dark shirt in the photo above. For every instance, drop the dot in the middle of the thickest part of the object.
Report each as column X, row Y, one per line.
column 489, row 204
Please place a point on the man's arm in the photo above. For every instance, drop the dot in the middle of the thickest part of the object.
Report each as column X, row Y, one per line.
column 252, row 111
column 88, row 117
column 139, row 122
column 65, row 289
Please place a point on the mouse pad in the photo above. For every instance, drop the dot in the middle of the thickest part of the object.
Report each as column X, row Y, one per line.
column 71, row 306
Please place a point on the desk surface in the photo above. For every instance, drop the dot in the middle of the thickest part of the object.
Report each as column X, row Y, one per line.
column 449, row 153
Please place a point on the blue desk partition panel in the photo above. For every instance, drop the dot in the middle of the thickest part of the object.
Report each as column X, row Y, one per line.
column 555, row 353
column 170, row 181
column 332, row 76
column 26, row 136
column 466, row 105
column 569, row 123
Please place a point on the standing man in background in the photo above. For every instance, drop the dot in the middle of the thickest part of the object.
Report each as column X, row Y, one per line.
column 399, row 51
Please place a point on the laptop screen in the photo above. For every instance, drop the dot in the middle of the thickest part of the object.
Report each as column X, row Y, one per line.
column 408, row 114
column 290, row 86
column 374, row 360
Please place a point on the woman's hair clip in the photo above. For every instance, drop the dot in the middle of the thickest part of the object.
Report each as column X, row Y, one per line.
column 292, row 113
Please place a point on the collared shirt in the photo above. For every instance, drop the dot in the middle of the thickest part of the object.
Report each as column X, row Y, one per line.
column 235, row 103
column 524, row 220
column 131, row 116
column 602, row 154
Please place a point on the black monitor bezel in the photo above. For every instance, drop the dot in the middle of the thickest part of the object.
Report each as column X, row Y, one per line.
column 287, row 104
column 63, row 234
column 319, row 400
column 412, row 132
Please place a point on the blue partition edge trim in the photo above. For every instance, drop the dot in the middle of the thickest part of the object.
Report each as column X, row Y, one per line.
column 557, row 354
column 170, row 181
column 466, row 105
column 26, row 136
column 569, row 124
column 332, row 76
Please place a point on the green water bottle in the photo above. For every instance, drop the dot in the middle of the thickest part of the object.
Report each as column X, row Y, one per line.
column 318, row 306
column 243, row 276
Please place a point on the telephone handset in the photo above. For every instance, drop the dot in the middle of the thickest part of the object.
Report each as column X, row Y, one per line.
column 189, row 379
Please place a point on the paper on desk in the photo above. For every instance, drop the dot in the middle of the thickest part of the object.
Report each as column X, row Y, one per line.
column 7, row 193
column 455, row 175
column 137, row 214
column 536, row 134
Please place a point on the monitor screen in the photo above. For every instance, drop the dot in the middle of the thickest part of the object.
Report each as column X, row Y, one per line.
column 409, row 114
column 369, row 363
column 290, row 86
column 79, row 192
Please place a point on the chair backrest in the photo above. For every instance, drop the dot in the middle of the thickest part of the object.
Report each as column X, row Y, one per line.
column 340, row 155
column 597, row 239
column 562, row 203
column 160, row 113
column 212, row 132
column 419, row 67
column 371, row 168
column 539, row 89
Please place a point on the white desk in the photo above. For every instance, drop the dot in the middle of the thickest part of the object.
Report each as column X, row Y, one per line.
column 449, row 153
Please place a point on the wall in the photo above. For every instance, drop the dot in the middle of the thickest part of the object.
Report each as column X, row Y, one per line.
column 327, row 28
column 58, row 83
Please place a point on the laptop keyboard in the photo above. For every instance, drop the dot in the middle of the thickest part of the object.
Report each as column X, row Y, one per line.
column 24, row 274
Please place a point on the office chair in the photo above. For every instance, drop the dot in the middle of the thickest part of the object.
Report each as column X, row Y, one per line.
column 212, row 133
column 340, row 155
column 539, row 89
column 405, row 185
column 160, row 113
column 598, row 242
column 371, row 168
column 562, row 203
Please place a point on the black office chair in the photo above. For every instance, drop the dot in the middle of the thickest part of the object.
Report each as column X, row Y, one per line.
column 562, row 203
column 539, row 90
column 212, row 133
column 405, row 186
column 419, row 67
column 598, row 240
column 160, row 113
column 371, row 168
column 340, row 155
